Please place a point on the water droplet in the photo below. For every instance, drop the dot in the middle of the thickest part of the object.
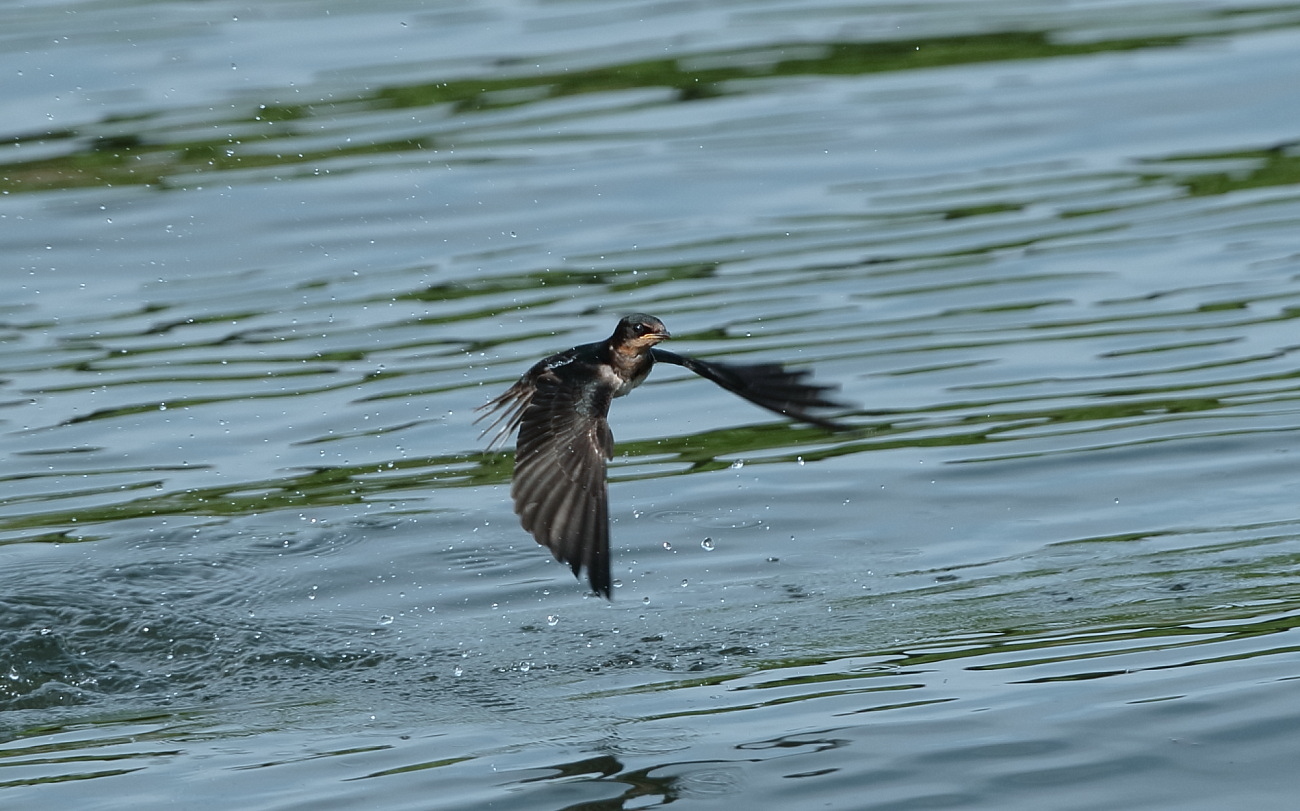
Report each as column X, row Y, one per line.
column 668, row 546
column 552, row 620
column 458, row 671
column 707, row 543
column 385, row 620
column 737, row 465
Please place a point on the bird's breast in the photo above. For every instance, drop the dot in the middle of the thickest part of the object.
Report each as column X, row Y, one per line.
column 623, row 383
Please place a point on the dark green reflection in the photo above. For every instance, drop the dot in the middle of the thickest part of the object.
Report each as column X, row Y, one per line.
column 141, row 151
column 1259, row 168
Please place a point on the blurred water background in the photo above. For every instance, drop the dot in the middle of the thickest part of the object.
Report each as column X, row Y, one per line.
column 261, row 262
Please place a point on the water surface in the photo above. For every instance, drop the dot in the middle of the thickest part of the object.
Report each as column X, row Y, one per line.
column 265, row 262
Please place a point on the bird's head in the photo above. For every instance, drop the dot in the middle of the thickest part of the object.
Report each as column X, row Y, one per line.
column 640, row 331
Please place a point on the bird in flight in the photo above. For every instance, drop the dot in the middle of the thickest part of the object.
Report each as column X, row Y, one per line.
column 560, row 407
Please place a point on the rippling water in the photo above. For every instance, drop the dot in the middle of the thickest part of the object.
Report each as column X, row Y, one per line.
column 263, row 262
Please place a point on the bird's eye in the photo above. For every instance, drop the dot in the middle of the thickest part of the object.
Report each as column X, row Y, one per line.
column 642, row 329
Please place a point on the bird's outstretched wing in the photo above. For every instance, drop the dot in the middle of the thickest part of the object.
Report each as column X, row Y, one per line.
column 559, row 485
column 769, row 385
column 513, row 402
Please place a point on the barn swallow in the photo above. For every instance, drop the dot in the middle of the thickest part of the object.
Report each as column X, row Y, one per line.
column 560, row 407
